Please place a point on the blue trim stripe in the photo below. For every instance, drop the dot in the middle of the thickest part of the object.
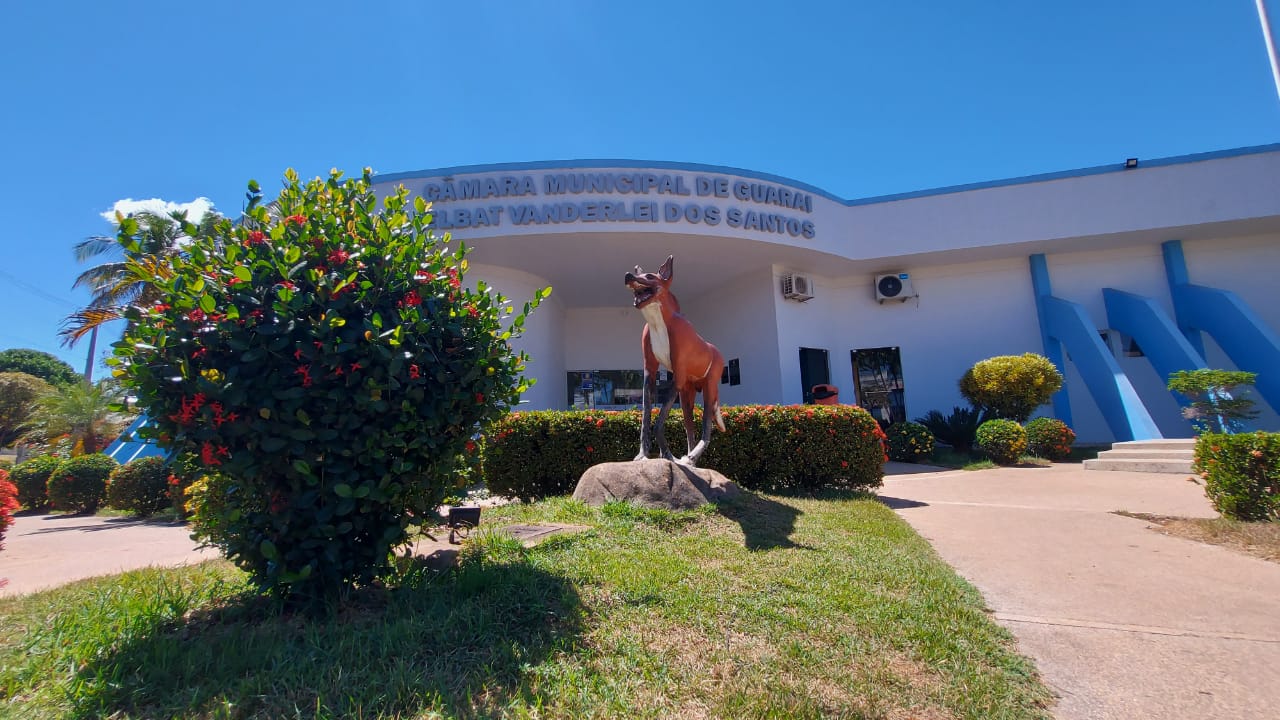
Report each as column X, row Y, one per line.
column 752, row 174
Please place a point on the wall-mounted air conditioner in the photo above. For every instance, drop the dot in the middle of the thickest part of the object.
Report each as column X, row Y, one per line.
column 797, row 287
column 894, row 286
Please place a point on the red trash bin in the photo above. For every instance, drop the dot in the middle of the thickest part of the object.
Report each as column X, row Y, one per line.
column 826, row 394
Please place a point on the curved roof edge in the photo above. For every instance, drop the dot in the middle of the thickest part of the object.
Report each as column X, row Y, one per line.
column 742, row 172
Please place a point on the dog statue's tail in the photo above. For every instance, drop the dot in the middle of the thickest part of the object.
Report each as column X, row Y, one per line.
column 719, row 417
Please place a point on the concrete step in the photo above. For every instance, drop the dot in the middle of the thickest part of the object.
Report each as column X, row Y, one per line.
column 1153, row 454
column 1151, row 465
column 1164, row 444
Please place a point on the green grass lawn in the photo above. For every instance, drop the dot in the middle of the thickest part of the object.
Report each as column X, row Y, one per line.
column 768, row 607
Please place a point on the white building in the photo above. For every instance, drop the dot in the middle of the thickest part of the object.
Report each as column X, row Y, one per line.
column 783, row 278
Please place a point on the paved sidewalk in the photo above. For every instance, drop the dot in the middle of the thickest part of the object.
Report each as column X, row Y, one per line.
column 43, row 551
column 1123, row 622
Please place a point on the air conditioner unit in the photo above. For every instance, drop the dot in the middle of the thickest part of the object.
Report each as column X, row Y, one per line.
column 797, row 287
column 894, row 286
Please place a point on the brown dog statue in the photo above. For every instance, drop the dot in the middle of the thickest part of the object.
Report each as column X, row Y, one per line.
column 670, row 341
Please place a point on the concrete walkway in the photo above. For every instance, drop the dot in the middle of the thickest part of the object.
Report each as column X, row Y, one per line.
column 1123, row 622
column 43, row 551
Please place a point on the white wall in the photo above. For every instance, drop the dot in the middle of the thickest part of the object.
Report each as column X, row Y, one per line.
column 738, row 318
column 965, row 313
column 543, row 338
column 603, row 338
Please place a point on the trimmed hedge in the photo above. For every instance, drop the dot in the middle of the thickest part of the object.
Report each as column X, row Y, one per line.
column 1241, row 473
column 140, row 486
column 80, row 484
column 32, row 480
column 1049, row 438
column 909, row 442
column 532, row 455
column 1003, row 441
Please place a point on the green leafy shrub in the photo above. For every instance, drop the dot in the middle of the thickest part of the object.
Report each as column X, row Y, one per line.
column 1002, row 440
column 1214, row 407
column 139, row 486
column 1049, row 438
column 1011, row 386
column 32, row 480
column 8, row 503
column 1241, row 473
column 79, row 484
column 18, row 395
column 909, row 442
column 532, row 455
column 958, row 430
column 325, row 355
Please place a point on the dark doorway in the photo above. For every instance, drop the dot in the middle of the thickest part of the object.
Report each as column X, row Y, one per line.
column 877, row 379
column 814, row 370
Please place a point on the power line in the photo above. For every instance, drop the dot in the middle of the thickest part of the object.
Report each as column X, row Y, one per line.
column 48, row 297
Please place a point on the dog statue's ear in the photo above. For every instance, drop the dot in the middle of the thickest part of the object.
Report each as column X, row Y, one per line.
column 638, row 272
column 665, row 271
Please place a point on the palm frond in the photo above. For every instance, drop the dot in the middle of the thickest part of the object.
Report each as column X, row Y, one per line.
column 92, row 247
column 82, row 322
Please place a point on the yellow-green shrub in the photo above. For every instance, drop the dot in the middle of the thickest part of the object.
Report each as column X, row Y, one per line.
column 1011, row 386
column 1002, row 440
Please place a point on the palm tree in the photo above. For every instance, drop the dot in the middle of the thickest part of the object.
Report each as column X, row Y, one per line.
column 79, row 410
column 126, row 278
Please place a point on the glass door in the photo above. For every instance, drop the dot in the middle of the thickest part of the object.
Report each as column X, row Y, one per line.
column 877, row 379
column 814, row 370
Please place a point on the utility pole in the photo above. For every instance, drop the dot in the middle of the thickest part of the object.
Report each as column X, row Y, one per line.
column 1265, row 20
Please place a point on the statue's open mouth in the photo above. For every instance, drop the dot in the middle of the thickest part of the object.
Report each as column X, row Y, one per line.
column 644, row 295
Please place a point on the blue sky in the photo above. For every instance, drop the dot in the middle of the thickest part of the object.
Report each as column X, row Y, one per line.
column 175, row 100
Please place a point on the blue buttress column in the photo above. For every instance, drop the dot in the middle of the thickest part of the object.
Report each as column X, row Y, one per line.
column 1239, row 331
column 1066, row 323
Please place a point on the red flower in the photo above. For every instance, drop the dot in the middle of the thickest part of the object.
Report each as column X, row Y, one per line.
column 411, row 299
column 207, row 454
column 161, row 307
column 414, row 371
column 234, row 281
column 355, row 366
column 473, row 311
column 338, row 257
column 255, row 313
column 590, row 449
column 424, row 276
column 278, row 502
column 287, row 284
column 479, row 397
column 196, row 315
column 844, row 463
column 297, row 219
column 600, row 423
column 257, row 237
column 297, row 354
column 471, row 446
column 173, row 480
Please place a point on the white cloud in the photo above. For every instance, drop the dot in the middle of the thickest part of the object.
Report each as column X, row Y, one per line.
column 196, row 209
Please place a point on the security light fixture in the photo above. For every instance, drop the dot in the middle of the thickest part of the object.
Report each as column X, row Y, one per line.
column 1131, row 163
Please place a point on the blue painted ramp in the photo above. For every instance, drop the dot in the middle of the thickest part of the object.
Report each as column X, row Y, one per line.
column 131, row 447
column 1165, row 346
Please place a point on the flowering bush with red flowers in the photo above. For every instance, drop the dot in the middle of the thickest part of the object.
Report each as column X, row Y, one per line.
column 1049, row 438
column 1241, row 473
column 8, row 503
column 335, row 383
column 533, row 455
